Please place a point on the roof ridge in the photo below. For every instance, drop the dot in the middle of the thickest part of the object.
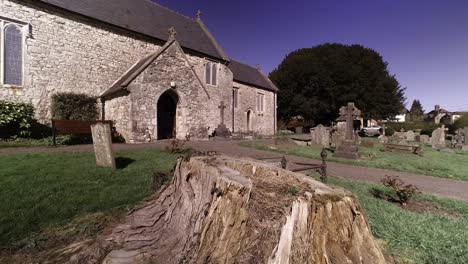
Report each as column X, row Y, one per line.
column 243, row 63
column 170, row 10
column 213, row 39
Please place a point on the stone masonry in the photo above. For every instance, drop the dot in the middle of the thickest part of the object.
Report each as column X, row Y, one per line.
column 65, row 52
column 69, row 53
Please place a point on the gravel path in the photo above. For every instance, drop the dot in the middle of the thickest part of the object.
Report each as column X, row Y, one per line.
column 449, row 188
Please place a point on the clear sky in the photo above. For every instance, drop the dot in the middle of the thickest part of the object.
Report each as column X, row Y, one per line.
column 425, row 42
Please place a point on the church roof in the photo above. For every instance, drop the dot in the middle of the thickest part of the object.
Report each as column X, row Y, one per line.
column 148, row 18
column 244, row 73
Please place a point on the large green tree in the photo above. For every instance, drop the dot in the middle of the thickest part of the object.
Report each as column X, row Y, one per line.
column 416, row 111
column 316, row 82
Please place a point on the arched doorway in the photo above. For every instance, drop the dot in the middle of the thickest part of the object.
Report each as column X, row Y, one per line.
column 249, row 120
column 166, row 115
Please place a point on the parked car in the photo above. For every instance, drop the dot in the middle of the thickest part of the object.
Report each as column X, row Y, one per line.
column 372, row 130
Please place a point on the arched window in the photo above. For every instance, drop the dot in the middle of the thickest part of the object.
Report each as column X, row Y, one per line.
column 13, row 55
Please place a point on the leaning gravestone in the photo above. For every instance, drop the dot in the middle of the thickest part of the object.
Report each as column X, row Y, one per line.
column 102, row 142
column 438, row 138
column 320, row 135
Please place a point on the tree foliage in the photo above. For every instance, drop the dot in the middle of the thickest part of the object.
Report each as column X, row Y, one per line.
column 416, row 111
column 316, row 82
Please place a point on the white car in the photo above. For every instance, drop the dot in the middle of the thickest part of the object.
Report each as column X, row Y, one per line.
column 372, row 130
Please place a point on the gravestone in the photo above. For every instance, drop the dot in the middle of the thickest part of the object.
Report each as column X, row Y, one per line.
column 465, row 139
column 438, row 138
column 222, row 130
column 349, row 149
column 320, row 135
column 423, row 139
column 383, row 139
column 102, row 142
column 410, row 135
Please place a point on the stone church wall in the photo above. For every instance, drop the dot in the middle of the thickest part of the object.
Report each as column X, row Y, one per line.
column 197, row 112
column 69, row 53
column 262, row 123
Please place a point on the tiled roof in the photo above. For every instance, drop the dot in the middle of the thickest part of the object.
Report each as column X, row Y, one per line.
column 244, row 73
column 148, row 18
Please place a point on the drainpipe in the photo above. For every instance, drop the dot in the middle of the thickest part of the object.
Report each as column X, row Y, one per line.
column 274, row 114
column 233, row 94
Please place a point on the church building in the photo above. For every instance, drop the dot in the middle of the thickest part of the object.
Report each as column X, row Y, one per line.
column 156, row 73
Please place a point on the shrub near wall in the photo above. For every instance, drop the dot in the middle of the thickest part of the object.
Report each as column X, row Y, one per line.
column 71, row 106
column 15, row 119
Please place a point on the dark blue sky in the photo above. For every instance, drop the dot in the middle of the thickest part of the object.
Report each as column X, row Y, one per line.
column 425, row 42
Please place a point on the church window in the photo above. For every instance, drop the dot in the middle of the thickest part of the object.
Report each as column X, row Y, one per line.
column 11, row 53
column 260, row 102
column 211, row 73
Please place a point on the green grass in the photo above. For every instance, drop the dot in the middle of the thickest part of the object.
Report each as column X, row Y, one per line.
column 40, row 191
column 422, row 238
column 434, row 163
column 25, row 142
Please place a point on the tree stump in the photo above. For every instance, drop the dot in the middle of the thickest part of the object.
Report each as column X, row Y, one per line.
column 219, row 209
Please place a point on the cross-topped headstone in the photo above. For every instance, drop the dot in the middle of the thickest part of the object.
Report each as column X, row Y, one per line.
column 349, row 112
column 221, row 110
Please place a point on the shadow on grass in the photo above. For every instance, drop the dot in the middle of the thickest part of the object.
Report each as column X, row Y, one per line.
column 123, row 162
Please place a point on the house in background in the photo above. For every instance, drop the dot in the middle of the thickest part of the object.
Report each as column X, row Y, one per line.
column 439, row 115
column 457, row 115
column 403, row 116
column 152, row 82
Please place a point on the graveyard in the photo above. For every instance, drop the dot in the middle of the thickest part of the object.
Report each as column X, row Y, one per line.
column 77, row 201
column 433, row 163
column 131, row 134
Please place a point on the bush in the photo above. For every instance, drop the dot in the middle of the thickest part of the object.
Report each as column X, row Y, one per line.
column 15, row 119
column 403, row 192
column 71, row 106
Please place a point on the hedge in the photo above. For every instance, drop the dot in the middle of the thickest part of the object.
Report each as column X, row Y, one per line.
column 15, row 119
column 426, row 128
column 71, row 106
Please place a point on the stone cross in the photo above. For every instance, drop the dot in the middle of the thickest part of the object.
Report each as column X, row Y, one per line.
column 221, row 110
column 349, row 112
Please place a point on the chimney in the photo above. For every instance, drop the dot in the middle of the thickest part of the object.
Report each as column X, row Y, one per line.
column 437, row 108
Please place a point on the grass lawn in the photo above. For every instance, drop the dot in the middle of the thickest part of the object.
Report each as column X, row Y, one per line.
column 433, row 163
column 40, row 191
column 25, row 142
column 422, row 238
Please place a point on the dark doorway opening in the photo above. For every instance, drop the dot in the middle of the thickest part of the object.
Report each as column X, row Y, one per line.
column 167, row 106
column 249, row 120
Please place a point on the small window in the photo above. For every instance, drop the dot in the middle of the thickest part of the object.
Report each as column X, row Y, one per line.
column 260, row 102
column 235, row 97
column 211, row 73
column 13, row 55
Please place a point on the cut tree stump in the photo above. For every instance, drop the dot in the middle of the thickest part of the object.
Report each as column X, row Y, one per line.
column 219, row 209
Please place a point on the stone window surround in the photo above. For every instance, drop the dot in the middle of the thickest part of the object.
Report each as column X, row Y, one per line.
column 26, row 32
column 217, row 73
column 261, row 106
